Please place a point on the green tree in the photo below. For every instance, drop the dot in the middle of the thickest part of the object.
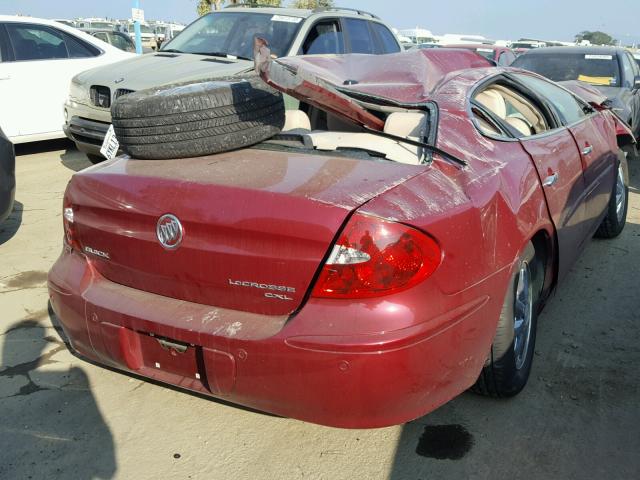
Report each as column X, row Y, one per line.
column 205, row 6
column 311, row 4
column 257, row 3
column 596, row 38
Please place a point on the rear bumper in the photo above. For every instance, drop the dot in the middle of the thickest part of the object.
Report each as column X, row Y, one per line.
column 271, row 363
column 87, row 134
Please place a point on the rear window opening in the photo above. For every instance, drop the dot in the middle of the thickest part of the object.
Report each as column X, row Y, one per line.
column 508, row 106
column 313, row 129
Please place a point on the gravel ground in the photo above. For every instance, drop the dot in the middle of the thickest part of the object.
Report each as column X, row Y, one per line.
column 62, row 417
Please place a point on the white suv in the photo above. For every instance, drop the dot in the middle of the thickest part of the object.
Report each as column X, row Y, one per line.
column 218, row 45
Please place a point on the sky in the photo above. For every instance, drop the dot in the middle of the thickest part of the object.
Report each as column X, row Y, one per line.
column 496, row 19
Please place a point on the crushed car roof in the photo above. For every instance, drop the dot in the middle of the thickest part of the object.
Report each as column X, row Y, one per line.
column 331, row 82
column 405, row 77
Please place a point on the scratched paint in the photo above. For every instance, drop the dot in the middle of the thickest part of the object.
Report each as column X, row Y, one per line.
column 210, row 316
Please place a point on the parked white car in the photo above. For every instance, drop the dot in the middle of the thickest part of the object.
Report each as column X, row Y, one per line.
column 38, row 58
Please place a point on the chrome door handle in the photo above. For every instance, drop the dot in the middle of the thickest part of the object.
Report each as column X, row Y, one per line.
column 550, row 180
column 587, row 150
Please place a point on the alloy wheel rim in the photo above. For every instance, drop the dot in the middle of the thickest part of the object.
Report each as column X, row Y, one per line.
column 522, row 313
column 620, row 194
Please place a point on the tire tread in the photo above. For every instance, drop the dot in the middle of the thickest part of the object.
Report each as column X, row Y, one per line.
column 202, row 118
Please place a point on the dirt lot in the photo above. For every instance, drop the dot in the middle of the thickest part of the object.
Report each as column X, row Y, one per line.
column 61, row 417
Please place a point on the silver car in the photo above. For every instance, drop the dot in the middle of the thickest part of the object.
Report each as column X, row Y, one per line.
column 217, row 45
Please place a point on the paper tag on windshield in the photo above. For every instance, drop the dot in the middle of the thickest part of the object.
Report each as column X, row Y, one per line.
column 598, row 57
column 285, row 18
column 110, row 145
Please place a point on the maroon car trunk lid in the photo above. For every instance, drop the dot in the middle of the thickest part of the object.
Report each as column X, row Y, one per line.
column 256, row 223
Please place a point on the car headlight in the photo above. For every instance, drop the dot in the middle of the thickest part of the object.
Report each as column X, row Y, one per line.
column 78, row 92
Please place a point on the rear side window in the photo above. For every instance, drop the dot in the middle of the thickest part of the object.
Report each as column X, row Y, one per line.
column 388, row 42
column 325, row 37
column 566, row 104
column 508, row 107
column 122, row 42
column 102, row 36
column 635, row 65
column 36, row 42
column 77, row 48
column 4, row 45
column 359, row 36
column 627, row 68
column 506, row 58
column 40, row 42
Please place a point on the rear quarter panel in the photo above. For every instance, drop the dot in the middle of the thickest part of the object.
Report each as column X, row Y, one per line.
column 482, row 216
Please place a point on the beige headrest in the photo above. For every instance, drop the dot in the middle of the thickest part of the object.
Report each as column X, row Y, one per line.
column 296, row 119
column 404, row 124
column 519, row 125
column 493, row 101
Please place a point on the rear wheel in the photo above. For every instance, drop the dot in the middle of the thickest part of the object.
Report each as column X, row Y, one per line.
column 616, row 217
column 509, row 364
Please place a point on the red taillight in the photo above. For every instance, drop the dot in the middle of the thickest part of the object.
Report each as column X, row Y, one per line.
column 375, row 257
column 69, row 225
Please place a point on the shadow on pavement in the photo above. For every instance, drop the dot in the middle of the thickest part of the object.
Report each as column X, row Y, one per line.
column 11, row 225
column 51, row 426
column 71, row 158
column 74, row 159
column 44, row 146
column 578, row 414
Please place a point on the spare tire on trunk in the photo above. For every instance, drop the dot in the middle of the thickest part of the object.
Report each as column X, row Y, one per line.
column 193, row 119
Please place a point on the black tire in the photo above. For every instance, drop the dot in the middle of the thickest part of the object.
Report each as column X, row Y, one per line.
column 631, row 152
column 615, row 220
column 505, row 373
column 189, row 120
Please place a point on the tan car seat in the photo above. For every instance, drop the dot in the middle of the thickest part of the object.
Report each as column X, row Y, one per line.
column 520, row 125
column 493, row 101
column 296, row 119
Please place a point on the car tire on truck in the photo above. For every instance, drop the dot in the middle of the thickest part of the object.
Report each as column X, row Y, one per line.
column 194, row 119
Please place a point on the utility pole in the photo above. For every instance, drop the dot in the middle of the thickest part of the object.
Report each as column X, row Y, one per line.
column 136, row 24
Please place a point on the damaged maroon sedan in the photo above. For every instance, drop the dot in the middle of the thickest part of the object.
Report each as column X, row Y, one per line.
column 389, row 249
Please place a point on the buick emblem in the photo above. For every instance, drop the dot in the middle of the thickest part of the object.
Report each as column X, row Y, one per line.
column 169, row 231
